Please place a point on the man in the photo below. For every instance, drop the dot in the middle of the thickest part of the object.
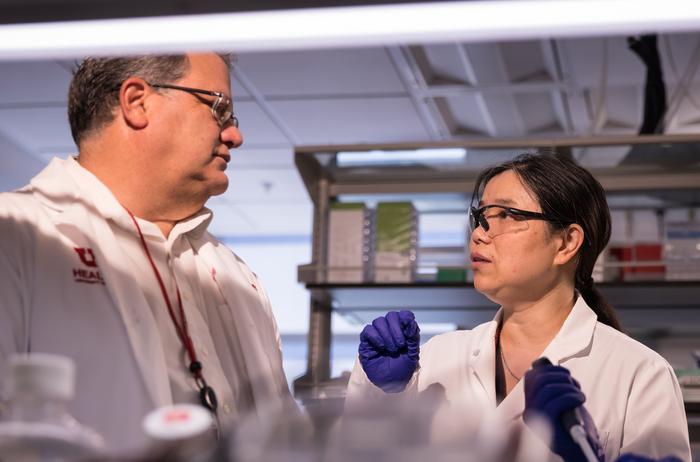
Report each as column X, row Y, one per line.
column 106, row 258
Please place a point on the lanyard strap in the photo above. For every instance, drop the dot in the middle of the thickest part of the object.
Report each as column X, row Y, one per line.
column 206, row 393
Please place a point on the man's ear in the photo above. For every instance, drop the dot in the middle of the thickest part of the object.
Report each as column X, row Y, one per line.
column 571, row 239
column 132, row 102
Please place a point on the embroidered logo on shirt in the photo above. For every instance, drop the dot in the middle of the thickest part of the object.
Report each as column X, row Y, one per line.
column 91, row 275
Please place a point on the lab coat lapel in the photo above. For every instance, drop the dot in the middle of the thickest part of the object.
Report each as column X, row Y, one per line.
column 484, row 368
column 483, row 360
column 513, row 405
column 252, row 329
column 128, row 299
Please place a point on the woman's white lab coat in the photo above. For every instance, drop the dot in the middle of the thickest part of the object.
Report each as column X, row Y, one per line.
column 54, row 300
column 631, row 391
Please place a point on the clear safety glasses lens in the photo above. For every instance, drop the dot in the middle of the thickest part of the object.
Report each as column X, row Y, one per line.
column 496, row 220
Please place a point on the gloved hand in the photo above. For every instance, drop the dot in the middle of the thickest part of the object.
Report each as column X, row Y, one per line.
column 636, row 458
column 389, row 350
column 550, row 391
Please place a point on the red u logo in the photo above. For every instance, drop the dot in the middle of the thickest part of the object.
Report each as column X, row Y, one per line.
column 86, row 256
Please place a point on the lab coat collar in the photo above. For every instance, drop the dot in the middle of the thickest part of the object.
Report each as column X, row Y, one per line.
column 53, row 189
column 574, row 339
column 58, row 194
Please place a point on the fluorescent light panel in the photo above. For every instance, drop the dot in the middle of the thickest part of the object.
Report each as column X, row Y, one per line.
column 418, row 156
column 350, row 26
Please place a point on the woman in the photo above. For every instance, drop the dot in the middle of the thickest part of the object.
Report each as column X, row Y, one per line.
column 539, row 226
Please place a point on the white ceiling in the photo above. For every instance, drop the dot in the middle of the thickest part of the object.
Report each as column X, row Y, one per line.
column 377, row 95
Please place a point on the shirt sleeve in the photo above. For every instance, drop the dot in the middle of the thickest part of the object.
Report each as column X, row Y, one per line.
column 655, row 423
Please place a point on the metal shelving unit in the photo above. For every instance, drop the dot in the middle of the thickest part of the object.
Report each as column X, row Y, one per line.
column 327, row 181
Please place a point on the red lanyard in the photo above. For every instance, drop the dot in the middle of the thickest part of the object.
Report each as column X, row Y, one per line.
column 206, row 393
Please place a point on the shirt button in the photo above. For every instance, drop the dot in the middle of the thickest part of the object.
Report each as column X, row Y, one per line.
column 476, row 352
column 205, row 352
column 227, row 408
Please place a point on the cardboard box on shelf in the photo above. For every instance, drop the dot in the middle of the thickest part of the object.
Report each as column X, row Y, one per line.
column 348, row 238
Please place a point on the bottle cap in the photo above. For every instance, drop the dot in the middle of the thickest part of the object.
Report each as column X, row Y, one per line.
column 179, row 421
column 41, row 374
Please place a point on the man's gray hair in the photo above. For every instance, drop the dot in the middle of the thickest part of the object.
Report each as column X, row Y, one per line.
column 94, row 90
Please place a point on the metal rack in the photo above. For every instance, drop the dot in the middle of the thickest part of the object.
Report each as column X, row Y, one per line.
column 326, row 181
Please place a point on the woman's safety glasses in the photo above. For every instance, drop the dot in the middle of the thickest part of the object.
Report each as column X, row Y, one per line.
column 221, row 107
column 498, row 219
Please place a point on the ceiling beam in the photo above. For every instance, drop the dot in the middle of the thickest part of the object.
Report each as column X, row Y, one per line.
column 558, row 94
column 415, row 82
column 494, row 89
column 472, row 78
column 670, row 120
column 574, row 94
column 484, row 62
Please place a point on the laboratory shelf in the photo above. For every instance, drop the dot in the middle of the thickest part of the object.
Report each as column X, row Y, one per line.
column 642, row 306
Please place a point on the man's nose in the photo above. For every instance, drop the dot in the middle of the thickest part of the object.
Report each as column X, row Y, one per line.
column 231, row 136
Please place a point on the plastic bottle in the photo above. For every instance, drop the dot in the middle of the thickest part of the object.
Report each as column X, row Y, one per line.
column 183, row 432
column 35, row 424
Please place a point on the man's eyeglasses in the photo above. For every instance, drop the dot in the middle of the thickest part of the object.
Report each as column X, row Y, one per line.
column 221, row 107
column 498, row 219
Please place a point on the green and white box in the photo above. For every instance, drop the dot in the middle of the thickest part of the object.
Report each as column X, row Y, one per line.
column 348, row 237
column 396, row 237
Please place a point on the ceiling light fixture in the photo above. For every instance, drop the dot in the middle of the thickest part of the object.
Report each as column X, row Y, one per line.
column 416, row 23
column 418, row 156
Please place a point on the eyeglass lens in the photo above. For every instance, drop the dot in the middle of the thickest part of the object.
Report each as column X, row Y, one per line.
column 496, row 221
column 223, row 111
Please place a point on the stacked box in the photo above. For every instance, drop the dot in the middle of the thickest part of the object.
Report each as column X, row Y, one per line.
column 396, row 239
column 348, row 243
column 643, row 259
column 682, row 251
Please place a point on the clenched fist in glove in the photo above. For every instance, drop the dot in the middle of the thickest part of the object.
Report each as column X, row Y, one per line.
column 389, row 350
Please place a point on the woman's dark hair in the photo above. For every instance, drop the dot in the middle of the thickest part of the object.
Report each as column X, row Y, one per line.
column 567, row 193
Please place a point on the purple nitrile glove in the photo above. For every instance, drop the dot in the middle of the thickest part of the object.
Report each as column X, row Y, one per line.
column 551, row 392
column 389, row 350
column 636, row 458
